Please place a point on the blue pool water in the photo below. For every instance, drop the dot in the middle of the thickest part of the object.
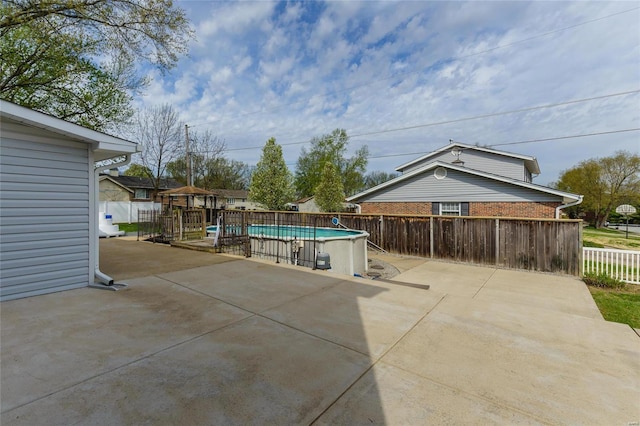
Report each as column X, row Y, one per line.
column 288, row 231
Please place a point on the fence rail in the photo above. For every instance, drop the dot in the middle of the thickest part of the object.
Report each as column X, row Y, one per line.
column 623, row 265
column 537, row 245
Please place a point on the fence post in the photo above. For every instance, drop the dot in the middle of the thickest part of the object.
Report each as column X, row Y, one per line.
column 580, row 251
column 497, row 241
column 382, row 231
column 278, row 237
column 431, row 249
column 204, row 223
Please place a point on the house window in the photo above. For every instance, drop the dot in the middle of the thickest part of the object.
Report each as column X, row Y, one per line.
column 141, row 194
column 231, row 200
column 450, row 209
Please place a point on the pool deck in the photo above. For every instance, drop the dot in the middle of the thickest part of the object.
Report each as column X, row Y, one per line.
column 201, row 338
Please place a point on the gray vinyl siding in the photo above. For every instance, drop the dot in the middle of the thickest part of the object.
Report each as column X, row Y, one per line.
column 456, row 187
column 500, row 165
column 44, row 212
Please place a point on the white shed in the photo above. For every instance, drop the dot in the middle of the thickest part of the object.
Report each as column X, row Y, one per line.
column 49, row 201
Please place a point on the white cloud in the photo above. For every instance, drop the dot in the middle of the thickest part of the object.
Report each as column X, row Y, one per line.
column 234, row 17
column 300, row 70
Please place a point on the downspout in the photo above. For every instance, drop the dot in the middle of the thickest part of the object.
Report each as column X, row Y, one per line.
column 100, row 276
column 564, row 206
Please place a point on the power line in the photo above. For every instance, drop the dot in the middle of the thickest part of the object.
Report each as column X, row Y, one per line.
column 497, row 114
column 519, row 142
column 450, row 59
column 458, row 120
column 568, row 137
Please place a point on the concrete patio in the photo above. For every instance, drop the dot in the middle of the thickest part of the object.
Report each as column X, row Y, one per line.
column 199, row 338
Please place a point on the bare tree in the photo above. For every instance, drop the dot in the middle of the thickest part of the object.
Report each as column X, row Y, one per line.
column 159, row 132
column 205, row 151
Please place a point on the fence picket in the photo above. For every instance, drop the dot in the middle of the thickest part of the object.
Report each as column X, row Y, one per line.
column 623, row 265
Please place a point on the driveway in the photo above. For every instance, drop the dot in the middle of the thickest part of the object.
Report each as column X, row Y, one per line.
column 199, row 338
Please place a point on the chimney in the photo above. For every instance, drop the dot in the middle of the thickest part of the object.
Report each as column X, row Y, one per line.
column 114, row 172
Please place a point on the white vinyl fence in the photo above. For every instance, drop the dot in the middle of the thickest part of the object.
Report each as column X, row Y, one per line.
column 126, row 211
column 623, row 265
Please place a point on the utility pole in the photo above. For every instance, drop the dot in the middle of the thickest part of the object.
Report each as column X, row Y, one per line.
column 188, row 158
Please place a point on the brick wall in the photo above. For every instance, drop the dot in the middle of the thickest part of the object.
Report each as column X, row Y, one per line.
column 396, row 208
column 542, row 210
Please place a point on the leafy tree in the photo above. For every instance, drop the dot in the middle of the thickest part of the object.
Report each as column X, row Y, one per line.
column 329, row 193
column 218, row 173
column 79, row 60
column 159, row 133
column 138, row 170
column 605, row 184
column 376, row 178
column 271, row 182
column 330, row 148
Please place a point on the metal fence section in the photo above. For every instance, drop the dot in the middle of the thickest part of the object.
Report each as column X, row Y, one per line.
column 534, row 244
column 278, row 236
column 623, row 265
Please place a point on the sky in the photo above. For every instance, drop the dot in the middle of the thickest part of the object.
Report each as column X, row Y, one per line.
column 406, row 77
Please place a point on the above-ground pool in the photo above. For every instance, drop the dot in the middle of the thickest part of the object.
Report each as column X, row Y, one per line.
column 301, row 245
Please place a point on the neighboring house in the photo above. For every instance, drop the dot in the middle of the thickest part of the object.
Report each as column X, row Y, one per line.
column 308, row 205
column 49, row 201
column 237, row 199
column 466, row 180
column 114, row 187
column 304, row 205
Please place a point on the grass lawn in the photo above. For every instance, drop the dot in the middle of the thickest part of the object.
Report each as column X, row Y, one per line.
column 612, row 238
column 128, row 227
column 621, row 306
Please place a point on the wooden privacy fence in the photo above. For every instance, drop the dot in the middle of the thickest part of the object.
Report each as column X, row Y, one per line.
column 533, row 244
column 178, row 224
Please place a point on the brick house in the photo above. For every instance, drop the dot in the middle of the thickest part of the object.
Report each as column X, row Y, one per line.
column 467, row 180
column 114, row 187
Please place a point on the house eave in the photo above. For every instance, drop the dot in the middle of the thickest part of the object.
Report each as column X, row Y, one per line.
column 104, row 146
column 566, row 196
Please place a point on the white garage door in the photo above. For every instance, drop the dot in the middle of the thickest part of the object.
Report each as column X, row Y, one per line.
column 44, row 213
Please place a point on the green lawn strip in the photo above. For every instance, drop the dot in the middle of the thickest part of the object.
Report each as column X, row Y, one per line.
column 128, row 227
column 621, row 306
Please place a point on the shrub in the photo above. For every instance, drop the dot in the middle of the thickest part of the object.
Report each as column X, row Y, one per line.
column 602, row 280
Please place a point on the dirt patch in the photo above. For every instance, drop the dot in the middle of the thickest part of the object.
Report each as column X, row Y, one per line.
column 378, row 268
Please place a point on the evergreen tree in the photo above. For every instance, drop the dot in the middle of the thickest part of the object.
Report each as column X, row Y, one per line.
column 271, row 182
column 329, row 193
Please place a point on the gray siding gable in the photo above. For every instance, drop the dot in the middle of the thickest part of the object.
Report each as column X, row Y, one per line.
column 455, row 187
column 515, row 166
column 510, row 167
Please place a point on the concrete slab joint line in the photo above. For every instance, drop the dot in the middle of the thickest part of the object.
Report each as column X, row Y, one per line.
column 377, row 360
column 484, row 284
